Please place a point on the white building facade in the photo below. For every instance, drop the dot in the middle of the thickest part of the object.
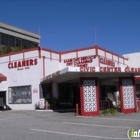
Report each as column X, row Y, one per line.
column 86, row 76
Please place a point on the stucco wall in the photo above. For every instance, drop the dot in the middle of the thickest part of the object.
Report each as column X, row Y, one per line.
column 23, row 77
column 133, row 59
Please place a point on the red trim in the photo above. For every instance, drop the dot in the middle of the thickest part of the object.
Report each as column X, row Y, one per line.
column 49, row 50
column 52, row 51
column 76, row 53
column 96, row 50
column 105, row 53
column 59, row 56
column 14, row 53
column 121, row 96
column 103, row 49
column 39, row 52
column 43, row 66
column 3, row 77
column 99, row 60
column 137, row 78
column 112, row 57
column 83, row 113
column 50, row 55
column 134, row 87
column 81, row 49
column 118, row 59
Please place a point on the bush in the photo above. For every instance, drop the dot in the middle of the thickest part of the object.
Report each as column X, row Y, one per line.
column 109, row 111
column 113, row 111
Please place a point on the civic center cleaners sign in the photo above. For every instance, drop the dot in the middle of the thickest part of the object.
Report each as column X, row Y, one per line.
column 109, row 69
column 22, row 63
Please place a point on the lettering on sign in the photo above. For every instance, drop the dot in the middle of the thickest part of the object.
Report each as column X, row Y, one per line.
column 136, row 70
column 107, row 62
column 52, row 75
column 80, row 61
column 87, row 69
column 110, row 69
column 22, row 63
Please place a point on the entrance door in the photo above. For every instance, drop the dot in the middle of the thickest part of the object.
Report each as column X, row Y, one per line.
column 2, row 99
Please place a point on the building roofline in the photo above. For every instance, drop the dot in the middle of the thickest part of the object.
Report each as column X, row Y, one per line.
column 18, row 30
column 64, row 52
column 93, row 47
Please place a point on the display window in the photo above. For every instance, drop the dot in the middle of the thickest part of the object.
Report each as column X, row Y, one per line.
column 20, row 95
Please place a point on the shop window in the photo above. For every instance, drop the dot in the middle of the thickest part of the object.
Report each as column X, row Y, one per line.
column 138, row 91
column 20, row 95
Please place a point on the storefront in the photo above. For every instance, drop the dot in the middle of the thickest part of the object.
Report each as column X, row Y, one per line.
column 88, row 77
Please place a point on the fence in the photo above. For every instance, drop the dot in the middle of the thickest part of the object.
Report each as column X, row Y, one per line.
column 108, row 104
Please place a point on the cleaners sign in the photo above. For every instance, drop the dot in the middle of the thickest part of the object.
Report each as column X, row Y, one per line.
column 22, row 63
column 107, row 62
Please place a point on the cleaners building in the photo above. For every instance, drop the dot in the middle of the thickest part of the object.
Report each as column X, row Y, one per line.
column 88, row 77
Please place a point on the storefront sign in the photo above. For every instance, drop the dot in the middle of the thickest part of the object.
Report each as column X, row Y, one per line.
column 23, row 63
column 110, row 69
column 107, row 62
column 87, row 69
column 80, row 61
column 128, row 69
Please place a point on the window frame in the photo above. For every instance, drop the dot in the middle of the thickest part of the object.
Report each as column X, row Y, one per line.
column 11, row 102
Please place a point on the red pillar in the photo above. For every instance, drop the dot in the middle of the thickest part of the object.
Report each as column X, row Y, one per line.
column 127, row 94
column 89, row 96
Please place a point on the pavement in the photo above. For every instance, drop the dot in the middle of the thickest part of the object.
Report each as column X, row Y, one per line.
column 49, row 125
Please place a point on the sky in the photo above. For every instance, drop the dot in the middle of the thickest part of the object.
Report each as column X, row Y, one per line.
column 72, row 24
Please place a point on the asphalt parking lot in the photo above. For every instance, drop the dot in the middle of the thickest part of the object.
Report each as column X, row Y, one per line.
column 45, row 125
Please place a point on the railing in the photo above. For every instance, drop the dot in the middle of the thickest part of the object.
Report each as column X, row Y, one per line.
column 105, row 104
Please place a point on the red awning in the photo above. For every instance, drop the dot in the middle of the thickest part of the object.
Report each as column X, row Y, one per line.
column 137, row 78
column 3, row 77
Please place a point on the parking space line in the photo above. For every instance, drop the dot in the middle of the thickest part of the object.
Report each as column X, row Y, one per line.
column 108, row 118
column 79, row 135
column 25, row 117
column 95, row 125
